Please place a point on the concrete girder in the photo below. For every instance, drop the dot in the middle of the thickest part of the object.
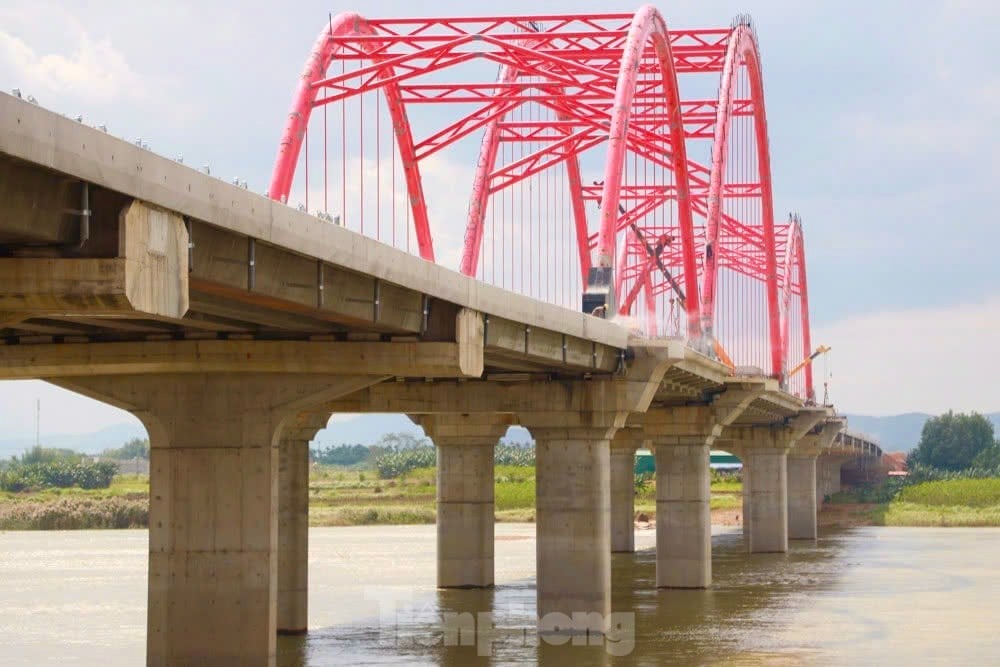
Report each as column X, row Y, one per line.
column 150, row 275
column 49, row 141
column 55, row 360
column 820, row 439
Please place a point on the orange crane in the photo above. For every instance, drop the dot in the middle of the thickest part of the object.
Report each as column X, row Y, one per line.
column 822, row 349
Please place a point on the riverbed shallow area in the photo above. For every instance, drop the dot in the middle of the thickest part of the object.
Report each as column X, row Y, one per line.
column 863, row 595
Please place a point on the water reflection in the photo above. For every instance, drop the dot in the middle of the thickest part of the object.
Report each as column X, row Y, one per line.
column 734, row 620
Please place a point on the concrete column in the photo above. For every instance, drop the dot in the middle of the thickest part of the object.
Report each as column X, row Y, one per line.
column 801, row 496
column 213, row 510
column 623, row 499
column 828, row 473
column 819, row 483
column 683, row 517
column 833, row 476
column 212, row 532
column 745, row 477
column 465, row 501
column 465, row 510
column 574, row 530
column 293, row 536
column 768, row 500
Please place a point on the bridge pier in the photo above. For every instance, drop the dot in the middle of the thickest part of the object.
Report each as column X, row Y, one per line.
column 293, row 536
column 213, row 516
column 465, row 496
column 765, row 488
column 623, row 449
column 801, row 496
column 768, row 499
column 829, row 474
column 573, row 557
column 573, row 423
column 745, row 480
column 683, row 515
column 805, row 479
column 682, row 437
column 293, row 520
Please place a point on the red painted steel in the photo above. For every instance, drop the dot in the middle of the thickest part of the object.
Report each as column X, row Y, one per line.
column 328, row 47
column 795, row 333
column 585, row 115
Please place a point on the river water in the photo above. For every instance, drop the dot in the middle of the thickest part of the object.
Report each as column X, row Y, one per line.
column 862, row 596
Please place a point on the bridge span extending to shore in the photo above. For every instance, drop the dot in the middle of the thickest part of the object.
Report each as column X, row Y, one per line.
column 233, row 324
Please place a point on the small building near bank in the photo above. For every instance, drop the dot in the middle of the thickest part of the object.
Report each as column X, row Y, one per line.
column 645, row 461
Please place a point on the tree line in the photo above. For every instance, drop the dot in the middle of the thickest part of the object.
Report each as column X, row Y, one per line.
column 954, row 442
column 395, row 452
column 44, row 467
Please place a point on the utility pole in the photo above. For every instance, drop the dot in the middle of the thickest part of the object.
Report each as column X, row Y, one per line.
column 38, row 422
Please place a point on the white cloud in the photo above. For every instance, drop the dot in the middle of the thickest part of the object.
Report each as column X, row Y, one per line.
column 928, row 360
column 95, row 71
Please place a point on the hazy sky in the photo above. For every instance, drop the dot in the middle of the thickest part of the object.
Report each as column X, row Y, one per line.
column 883, row 127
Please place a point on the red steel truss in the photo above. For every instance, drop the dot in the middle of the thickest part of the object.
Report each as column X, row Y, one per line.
column 580, row 149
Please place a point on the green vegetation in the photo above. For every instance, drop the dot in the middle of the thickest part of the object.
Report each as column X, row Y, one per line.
column 39, row 454
column 338, row 496
column 136, row 448
column 727, row 492
column 900, row 513
column 132, row 487
column 42, row 468
column 989, row 458
column 398, row 462
column 929, row 497
column 951, row 492
column 968, row 501
column 341, row 455
column 953, row 480
column 953, row 442
column 515, row 488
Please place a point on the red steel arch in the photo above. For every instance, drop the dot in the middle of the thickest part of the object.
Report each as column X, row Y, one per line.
column 583, row 98
column 313, row 80
column 794, row 283
column 475, row 222
column 646, row 28
column 742, row 49
column 649, row 25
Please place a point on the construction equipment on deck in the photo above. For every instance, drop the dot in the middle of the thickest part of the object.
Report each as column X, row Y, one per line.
column 822, row 349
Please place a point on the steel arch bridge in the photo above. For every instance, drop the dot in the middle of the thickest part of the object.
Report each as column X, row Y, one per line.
column 602, row 159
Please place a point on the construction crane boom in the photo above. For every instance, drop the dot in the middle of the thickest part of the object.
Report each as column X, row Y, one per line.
column 822, row 349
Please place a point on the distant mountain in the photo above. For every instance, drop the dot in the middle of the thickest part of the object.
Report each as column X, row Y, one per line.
column 900, row 432
column 88, row 443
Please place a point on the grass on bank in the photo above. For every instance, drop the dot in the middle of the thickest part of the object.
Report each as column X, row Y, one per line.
column 727, row 494
column 338, row 496
column 134, row 487
column 950, row 502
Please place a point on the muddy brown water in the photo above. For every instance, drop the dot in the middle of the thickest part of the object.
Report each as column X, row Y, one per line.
column 910, row 596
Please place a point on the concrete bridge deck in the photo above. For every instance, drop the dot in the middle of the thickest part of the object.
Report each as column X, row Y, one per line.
column 233, row 326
